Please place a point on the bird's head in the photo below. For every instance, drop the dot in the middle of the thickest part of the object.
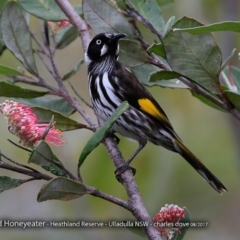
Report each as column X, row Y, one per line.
column 102, row 45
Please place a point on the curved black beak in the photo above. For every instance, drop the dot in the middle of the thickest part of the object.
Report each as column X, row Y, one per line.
column 117, row 36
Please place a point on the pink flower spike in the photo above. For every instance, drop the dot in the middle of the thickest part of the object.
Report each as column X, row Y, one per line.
column 23, row 122
column 166, row 219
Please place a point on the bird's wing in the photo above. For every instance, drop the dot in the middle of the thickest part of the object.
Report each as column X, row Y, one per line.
column 131, row 90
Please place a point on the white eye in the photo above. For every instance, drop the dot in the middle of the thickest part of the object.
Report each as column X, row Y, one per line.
column 98, row 42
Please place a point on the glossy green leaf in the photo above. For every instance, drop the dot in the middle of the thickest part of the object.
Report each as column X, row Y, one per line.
column 196, row 57
column 101, row 133
column 131, row 53
column 234, row 99
column 43, row 156
column 103, row 17
column 11, row 90
column 7, row 183
column 16, row 36
column 4, row 70
column 149, row 10
column 158, row 49
column 215, row 27
column 44, row 9
column 56, row 104
column 74, row 70
column 61, row 189
column 63, row 123
column 163, row 75
column 66, row 36
column 168, row 26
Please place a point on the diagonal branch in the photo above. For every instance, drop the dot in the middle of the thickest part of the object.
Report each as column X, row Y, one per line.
column 135, row 202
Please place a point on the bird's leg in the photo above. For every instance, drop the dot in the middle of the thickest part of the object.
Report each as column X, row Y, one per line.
column 125, row 166
column 111, row 134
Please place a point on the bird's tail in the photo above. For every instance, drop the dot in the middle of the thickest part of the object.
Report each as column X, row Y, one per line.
column 200, row 168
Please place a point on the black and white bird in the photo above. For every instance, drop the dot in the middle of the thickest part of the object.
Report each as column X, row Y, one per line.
column 110, row 84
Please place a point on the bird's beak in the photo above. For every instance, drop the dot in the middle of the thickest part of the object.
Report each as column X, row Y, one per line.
column 116, row 37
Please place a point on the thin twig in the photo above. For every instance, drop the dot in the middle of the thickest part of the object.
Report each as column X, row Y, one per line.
column 39, row 43
column 59, row 165
column 21, row 147
column 78, row 95
column 44, row 62
column 134, row 14
column 97, row 193
column 36, row 175
column 17, row 163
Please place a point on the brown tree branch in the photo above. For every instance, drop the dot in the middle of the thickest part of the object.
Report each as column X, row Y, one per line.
column 135, row 202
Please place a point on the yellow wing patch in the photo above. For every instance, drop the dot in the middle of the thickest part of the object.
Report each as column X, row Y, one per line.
column 147, row 106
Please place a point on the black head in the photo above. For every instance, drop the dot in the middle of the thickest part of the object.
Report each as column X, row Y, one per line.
column 102, row 45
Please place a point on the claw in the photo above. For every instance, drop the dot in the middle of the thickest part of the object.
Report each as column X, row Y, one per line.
column 122, row 169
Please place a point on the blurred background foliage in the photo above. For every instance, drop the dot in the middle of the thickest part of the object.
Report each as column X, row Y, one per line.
column 162, row 176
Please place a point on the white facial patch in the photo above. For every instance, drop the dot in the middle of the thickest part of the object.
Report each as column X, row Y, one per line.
column 104, row 49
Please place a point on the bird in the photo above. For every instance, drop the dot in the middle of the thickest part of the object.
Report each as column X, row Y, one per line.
column 110, row 83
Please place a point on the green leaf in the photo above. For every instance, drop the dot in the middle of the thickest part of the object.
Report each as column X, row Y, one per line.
column 2, row 3
column 56, row 104
column 73, row 71
column 143, row 72
column 63, row 123
column 207, row 101
column 101, row 133
column 164, row 3
column 44, row 9
column 163, row 75
column 215, row 27
column 196, row 57
column 233, row 77
column 9, row 71
column 168, row 26
column 131, row 53
column 228, row 59
column 43, row 156
column 16, row 36
column 66, row 36
column 7, row 183
column 11, row 90
column 121, row 4
column 186, row 222
column 234, row 99
column 173, row 83
column 103, row 17
column 149, row 10
column 61, row 189
column 158, row 49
